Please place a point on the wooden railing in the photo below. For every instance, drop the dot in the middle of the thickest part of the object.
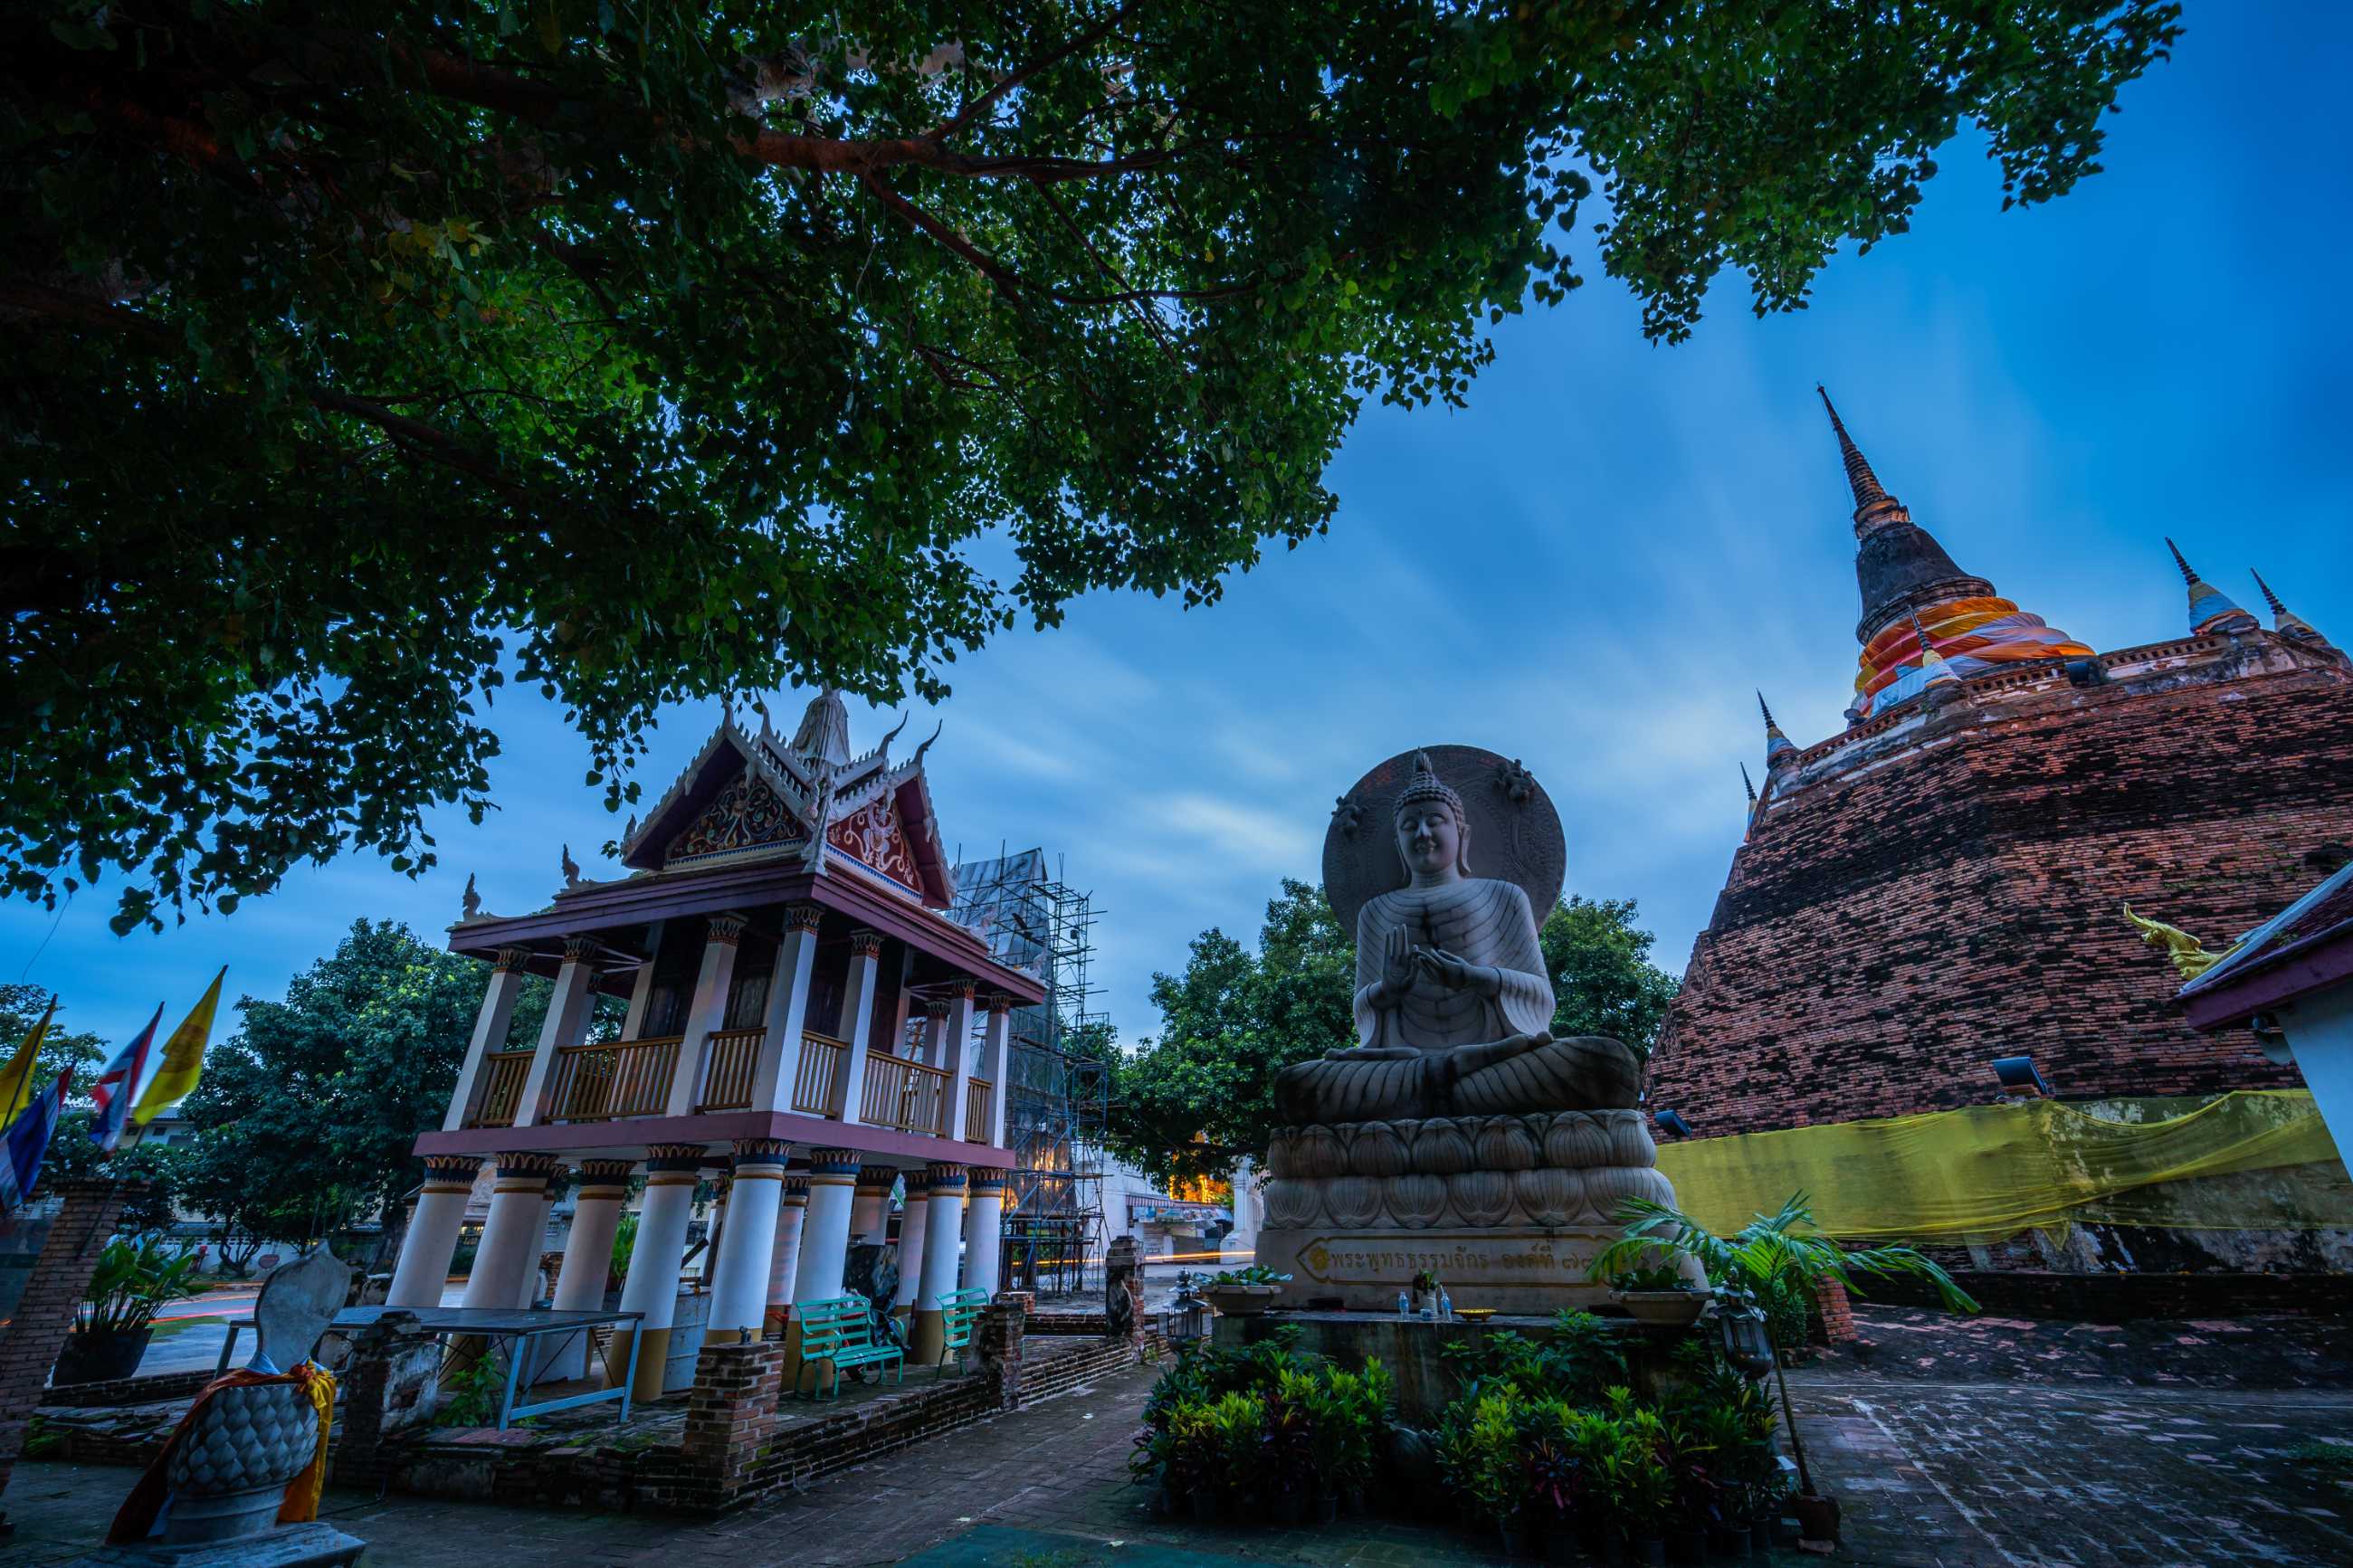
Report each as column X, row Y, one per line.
column 819, row 1079
column 906, row 1094
column 502, row 1076
column 976, row 1110
column 728, row 1068
column 599, row 1083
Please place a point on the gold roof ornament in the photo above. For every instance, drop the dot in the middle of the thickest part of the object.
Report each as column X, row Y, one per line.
column 2189, row 955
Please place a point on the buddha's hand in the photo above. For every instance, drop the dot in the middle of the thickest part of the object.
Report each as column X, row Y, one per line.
column 1456, row 974
column 1397, row 965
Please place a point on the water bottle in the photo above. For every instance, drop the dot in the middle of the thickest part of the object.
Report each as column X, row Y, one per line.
column 1405, row 1308
column 1445, row 1306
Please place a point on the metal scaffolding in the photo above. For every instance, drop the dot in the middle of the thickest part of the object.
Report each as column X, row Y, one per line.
column 1057, row 1093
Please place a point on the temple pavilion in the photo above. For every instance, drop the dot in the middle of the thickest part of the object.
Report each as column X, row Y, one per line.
column 806, row 1024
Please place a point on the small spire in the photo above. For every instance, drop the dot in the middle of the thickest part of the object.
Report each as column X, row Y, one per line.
column 1779, row 748
column 2285, row 621
column 1748, row 784
column 1872, row 505
column 2210, row 609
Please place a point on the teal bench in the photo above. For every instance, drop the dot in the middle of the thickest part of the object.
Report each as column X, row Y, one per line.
column 959, row 1309
column 840, row 1331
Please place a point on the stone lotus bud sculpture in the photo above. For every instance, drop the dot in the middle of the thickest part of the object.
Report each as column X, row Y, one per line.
column 1458, row 1137
column 221, row 1485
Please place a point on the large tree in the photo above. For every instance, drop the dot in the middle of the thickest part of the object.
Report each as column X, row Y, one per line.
column 307, row 1114
column 357, row 358
column 1200, row 1096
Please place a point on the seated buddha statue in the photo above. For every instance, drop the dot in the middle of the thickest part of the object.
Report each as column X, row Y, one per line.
column 1453, row 1005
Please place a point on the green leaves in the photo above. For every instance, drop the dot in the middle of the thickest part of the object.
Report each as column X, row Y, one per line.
column 694, row 351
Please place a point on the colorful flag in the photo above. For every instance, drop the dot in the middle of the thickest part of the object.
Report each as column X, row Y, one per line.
column 183, row 1060
column 16, row 1078
column 29, row 1140
column 118, row 1084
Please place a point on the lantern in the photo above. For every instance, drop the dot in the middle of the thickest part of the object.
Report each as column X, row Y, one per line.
column 1188, row 1314
column 1747, row 1344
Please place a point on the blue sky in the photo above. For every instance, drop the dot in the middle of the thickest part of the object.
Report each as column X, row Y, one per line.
column 1592, row 567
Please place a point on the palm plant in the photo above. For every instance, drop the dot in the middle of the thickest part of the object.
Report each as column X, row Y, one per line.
column 135, row 1276
column 1771, row 1253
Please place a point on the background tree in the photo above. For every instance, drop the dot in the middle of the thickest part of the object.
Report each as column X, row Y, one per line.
column 356, row 358
column 1201, row 1096
column 1599, row 961
column 1198, row 1097
column 307, row 1114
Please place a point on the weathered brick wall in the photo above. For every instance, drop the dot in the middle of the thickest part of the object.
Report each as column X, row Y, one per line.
column 144, row 1390
column 1884, row 934
column 45, row 1313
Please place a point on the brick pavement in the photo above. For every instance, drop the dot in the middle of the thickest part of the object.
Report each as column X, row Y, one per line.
column 1932, row 1476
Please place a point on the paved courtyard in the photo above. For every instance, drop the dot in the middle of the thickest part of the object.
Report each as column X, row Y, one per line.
column 1935, row 1474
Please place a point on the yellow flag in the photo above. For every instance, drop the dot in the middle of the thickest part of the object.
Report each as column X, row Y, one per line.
column 183, row 1058
column 16, row 1079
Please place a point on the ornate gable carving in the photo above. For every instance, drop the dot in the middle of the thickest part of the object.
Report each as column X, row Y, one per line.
column 746, row 813
column 874, row 835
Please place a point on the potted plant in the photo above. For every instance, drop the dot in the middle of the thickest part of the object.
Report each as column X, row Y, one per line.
column 1661, row 1294
column 1361, row 1401
column 1244, row 1292
column 116, row 1316
column 1191, row 1460
column 1646, row 1499
column 1771, row 1253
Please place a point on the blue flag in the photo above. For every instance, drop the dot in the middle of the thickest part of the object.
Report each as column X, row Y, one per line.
column 28, row 1142
column 118, row 1085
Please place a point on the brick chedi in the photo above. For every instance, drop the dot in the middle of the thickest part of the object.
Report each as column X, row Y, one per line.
column 1941, row 883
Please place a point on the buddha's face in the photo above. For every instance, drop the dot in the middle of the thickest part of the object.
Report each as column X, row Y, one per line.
column 1428, row 838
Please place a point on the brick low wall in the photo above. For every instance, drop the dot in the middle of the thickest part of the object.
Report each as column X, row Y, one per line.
column 731, row 1449
column 131, row 1390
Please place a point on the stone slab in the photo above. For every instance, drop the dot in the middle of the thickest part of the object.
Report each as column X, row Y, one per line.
column 313, row 1545
column 1513, row 1270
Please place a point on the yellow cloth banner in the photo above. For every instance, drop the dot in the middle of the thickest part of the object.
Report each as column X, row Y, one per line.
column 183, row 1062
column 16, row 1079
column 1991, row 1171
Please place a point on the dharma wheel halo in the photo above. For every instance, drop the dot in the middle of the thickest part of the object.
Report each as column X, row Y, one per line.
column 1515, row 834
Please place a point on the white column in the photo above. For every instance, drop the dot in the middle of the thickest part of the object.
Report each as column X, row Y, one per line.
column 912, row 1225
column 739, row 1290
column 935, row 1028
column 512, row 1233
column 527, row 1288
column 787, row 1014
column 651, row 1285
column 825, row 1235
column 984, row 1222
column 567, row 1012
column 825, row 1246
column 588, row 1259
column 869, row 1208
column 490, row 1026
column 996, row 1063
column 707, row 1012
column 641, row 989
column 957, row 1060
column 785, row 1258
column 716, row 1232
column 943, row 1240
column 858, row 1019
column 423, row 1271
